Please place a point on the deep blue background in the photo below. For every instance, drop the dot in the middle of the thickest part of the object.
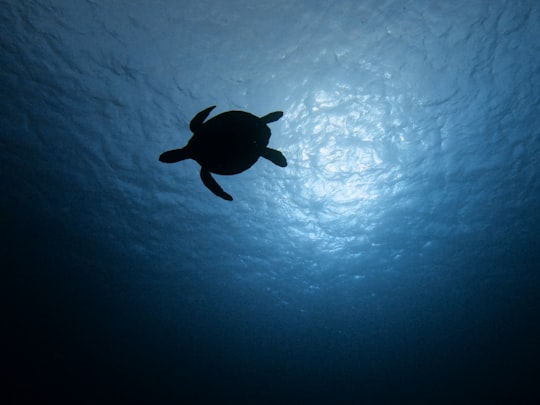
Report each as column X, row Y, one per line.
column 395, row 259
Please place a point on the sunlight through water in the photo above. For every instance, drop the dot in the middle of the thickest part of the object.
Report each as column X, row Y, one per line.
column 340, row 163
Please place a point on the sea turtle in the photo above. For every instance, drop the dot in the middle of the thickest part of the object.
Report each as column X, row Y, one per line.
column 228, row 143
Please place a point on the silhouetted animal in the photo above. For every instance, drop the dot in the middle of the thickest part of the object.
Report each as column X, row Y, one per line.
column 228, row 143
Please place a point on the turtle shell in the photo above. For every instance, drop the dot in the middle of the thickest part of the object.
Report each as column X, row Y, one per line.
column 229, row 143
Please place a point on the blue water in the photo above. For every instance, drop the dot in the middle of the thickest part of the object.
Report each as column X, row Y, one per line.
column 395, row 259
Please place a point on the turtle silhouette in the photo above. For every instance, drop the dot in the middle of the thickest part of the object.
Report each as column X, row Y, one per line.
column 227, row 144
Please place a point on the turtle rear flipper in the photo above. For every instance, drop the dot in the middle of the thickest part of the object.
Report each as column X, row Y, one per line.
column 173, row 156
column 197, row 121
column 212, row 185
column 274, row 156
column 273, row 116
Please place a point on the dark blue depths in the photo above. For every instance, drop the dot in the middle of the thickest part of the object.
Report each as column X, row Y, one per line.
column 394, row 259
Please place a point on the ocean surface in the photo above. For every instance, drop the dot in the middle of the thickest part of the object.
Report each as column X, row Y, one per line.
column 396, row 259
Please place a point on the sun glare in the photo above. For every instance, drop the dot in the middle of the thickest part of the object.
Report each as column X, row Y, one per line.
column 336, row 151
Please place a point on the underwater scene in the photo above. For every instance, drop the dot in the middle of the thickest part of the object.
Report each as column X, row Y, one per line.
column 279, row 202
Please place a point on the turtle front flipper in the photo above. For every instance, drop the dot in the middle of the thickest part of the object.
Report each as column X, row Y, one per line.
column 197, row 121
column 274, row 156
column 273, row 116
column 212, row 185
column 173, row 156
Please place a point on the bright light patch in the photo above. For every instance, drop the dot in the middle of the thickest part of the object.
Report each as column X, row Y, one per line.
column 336, row 151
column 336, row 166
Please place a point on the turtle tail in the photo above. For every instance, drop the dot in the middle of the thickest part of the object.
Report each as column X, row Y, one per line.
column 173, row 156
